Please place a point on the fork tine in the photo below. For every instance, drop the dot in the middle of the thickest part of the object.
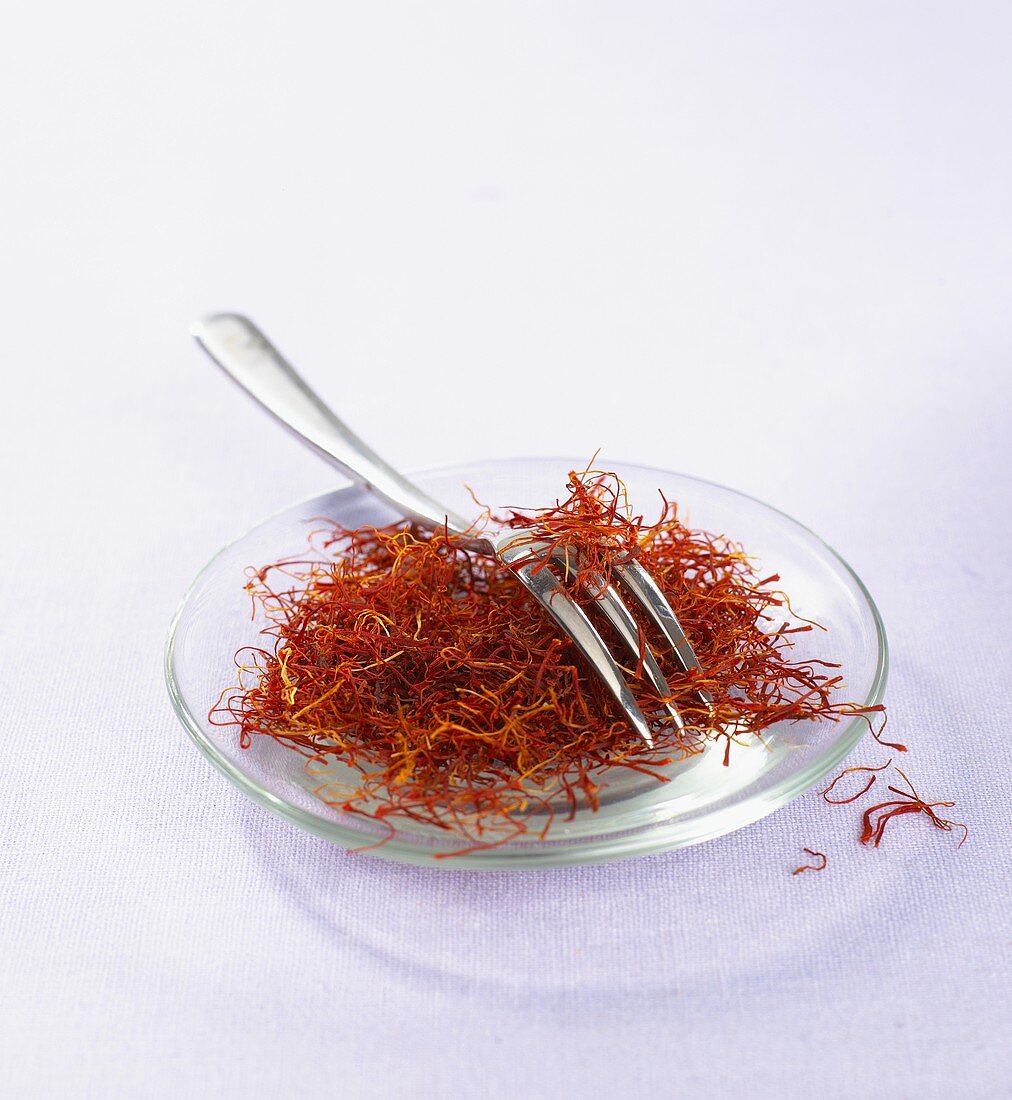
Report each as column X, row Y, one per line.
column 642, row 586
column 548, row 590
column 614, row 609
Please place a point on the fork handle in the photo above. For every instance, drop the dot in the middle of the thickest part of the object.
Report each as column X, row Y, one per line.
column 249, row 358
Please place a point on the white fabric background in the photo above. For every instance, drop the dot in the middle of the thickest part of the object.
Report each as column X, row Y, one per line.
column 771, row 245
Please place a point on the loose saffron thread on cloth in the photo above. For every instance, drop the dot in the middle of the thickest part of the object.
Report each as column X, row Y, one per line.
column 864, row 790
column 811, row 866
column 425, row 668
column 908, row 802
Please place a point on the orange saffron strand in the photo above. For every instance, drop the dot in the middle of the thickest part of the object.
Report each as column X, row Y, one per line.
column 877, row 734
column 849, row 771
column 811, row 866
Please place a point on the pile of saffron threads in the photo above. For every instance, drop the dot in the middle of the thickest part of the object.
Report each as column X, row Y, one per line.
column 427, row 670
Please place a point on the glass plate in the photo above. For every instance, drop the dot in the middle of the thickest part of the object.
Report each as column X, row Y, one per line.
column 703, row 799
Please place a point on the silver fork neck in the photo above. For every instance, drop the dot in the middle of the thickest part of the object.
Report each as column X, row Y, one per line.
column 249, row 358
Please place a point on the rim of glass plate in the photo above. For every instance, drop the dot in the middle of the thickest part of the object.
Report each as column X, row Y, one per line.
column 598, row 849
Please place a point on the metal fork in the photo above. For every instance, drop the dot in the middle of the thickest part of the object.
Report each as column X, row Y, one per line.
column 246, row 355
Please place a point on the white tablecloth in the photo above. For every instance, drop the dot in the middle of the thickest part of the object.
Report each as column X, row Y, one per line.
column 765, row 244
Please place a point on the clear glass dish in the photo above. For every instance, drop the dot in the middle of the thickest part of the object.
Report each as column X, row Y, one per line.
column 703, row 799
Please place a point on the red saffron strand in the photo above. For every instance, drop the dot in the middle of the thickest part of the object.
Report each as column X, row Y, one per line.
column 849, row 771
column 877, row 734
column 811, row 866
